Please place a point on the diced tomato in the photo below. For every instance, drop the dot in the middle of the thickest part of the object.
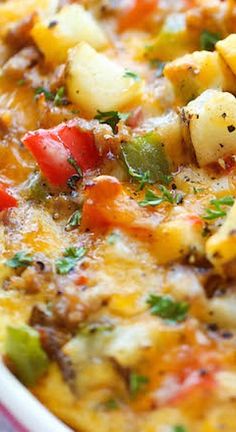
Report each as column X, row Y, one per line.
column 6, row 199
column 53, row 148
column 137, row 13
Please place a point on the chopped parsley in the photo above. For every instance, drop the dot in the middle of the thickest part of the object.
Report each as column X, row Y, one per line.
column 179, row 428
column 111, row 404
column 73, row 163
column 49, row 96
column 21, row 82
column 208, row 40
column 142, row 178
column 151, row 199
column 96, row 327
column 218, row 208
column 57, row 98
column 20, row 259
column 111, row 118
column 167, row 308
column 74, row 220
column 130, row 74
column 137, row 383
column 71, row 256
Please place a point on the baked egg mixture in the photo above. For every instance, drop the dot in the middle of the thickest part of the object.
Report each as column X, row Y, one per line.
column 118, row 210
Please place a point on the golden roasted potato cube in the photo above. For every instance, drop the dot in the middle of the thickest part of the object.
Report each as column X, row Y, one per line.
column 15, row 10
column 211, row 119
column 194, row 73
column 227, row 49
column 221, row 247
column 73, row 24
column 183, row 234
column 95, row 82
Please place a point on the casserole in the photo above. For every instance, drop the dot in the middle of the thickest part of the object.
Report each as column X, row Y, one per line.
column 117, row 215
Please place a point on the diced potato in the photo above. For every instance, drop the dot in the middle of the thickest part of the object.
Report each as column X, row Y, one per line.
column 95, row 82
column 226, row 384
column 223, row 311
column 183, row 235
column 73, row 24
column 227, row 48
column 15, row 10
column 194, row 73
column 211, row 120
column 221, row 247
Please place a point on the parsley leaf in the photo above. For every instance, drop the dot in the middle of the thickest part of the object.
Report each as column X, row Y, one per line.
column 142, row 178
column 208, row 40
column 130, row 74
column 166, row 308
column 71, row 256
column 49, row 96
column 111, row 404
column 20, row 259
column 59, row 98
column 74, row 220
column 151, row 199
column 136, row 383
column 73, row 163
column 111, row 118
column 218, row 209
column 179, row 428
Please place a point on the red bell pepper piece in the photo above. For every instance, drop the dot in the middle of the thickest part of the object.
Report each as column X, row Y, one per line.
column 53, row 148
column 6, row 199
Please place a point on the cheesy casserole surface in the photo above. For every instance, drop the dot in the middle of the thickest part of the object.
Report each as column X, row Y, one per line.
column 118, row 210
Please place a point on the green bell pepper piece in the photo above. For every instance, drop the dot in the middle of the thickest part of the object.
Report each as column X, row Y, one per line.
column 146, row 155
column 24, row 350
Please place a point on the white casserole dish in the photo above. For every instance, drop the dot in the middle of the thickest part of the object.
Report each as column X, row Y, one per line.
column 28, row 414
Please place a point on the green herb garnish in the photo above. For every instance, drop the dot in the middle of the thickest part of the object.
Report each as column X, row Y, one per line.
column 49, row 96
column 78, row 170
column 59, row 98
column 74, row 220
column 111, row 404
column 20, row 259
column 208, row 40
column 111, row 118
column 71, row 256
column 130, row 74
column 167, row 308
column 151, row 199
column 218, row 208
column 96, row 327
column 137, row 383
column 142, row 178
column 179, row 428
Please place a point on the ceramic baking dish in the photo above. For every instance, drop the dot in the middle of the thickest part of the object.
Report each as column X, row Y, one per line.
column 20, row 411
